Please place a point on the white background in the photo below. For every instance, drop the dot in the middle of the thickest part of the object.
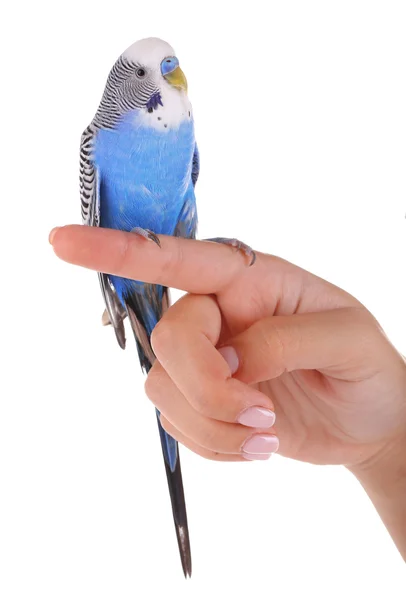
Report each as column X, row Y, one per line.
column 301, row 122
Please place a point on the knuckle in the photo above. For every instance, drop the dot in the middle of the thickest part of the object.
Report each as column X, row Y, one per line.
column 368, row 330
column 153, row 386
column 356, row 316
column 204, row 402
column 161, row 337
column 124, row 258
column 170, row 429
column 171, row 260
column 166, row 426
column 361, row 322
column 273, row 344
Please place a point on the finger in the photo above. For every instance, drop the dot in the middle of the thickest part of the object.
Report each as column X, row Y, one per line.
column 184, row 343
column 216, row 436
column 191, row 445
column 334, row 342
column 190, row 265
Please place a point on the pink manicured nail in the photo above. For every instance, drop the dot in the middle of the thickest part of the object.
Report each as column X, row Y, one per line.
column 256, row 456
column 256, row 416
column 52, row 234
column 261, row 443
column 231, row 358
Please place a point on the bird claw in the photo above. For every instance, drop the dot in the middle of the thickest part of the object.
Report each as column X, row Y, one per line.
column 147, row 234
column 240, row 246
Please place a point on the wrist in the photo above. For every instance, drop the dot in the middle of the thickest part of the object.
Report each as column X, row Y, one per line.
column 386, row 468
column 387, row 462
column 384, row 479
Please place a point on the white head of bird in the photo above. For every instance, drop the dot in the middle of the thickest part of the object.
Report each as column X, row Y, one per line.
column 148, row 77
column 158, row 59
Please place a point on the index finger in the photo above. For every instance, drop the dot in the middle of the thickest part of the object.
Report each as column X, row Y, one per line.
column 189, row 265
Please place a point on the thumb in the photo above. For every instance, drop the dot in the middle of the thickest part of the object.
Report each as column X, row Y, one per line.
column 338, row 342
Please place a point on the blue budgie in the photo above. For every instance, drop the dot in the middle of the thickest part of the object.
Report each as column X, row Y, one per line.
column 139, row 164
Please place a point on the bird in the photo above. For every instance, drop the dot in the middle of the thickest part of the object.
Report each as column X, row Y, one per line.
column 139, row 164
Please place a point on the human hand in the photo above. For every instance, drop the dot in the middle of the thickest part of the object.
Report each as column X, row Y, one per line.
column 296, row 345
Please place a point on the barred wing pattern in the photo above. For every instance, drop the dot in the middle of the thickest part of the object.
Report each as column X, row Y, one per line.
column 88, row 180
column 90, row 208
column 195, row 166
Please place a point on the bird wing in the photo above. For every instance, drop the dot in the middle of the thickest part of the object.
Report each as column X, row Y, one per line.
column 89, row 179
column 195, row 165
column 187, row 220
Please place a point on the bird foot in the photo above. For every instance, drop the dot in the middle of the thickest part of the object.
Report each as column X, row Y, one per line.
column 147, row 234
column 240, row 246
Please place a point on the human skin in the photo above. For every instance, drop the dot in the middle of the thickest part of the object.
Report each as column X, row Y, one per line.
column 264, row 342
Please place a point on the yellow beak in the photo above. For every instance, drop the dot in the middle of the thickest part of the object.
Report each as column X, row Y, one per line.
column 177, row 79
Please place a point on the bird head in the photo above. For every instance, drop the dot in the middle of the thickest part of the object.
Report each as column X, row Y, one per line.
column 156, row 63
column 146, row 72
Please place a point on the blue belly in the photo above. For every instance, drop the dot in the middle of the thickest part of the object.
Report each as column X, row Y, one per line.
column 145, row 177
column 144, row 174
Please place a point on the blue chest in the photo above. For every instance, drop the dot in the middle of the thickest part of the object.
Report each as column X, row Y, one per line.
column 145, row 174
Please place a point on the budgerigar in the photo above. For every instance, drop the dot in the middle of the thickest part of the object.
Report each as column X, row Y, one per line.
column 139, row 164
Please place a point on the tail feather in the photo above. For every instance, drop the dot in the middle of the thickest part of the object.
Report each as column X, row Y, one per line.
column 175, row 485
column 144, row 309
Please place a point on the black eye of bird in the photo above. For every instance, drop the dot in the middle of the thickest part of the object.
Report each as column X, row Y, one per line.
column 140, row 72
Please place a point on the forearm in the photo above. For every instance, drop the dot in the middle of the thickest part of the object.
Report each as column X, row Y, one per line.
column 384, row 480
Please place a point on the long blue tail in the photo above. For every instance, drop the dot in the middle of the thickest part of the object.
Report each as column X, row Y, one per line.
column 145, row 305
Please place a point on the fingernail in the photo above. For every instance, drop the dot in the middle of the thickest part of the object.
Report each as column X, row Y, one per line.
column 52, row 234
column 256, row 456
column 231, row 358
column 256, row 416
column 261, row 444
